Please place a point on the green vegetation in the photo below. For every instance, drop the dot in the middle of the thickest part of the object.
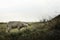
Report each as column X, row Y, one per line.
column 49, row 30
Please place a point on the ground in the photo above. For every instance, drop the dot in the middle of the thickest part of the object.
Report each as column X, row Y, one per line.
column 35, row 31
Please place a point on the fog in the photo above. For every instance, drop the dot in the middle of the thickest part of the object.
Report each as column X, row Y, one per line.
column 28, row 10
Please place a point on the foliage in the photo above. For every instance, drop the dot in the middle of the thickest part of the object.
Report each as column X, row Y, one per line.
column 49, row 30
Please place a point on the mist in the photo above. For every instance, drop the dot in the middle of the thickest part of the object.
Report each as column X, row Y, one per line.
column 28, row 10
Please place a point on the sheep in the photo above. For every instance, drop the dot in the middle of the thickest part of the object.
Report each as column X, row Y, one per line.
column 16, row 24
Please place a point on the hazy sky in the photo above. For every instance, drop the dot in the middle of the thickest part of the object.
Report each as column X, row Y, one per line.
column 28, row 10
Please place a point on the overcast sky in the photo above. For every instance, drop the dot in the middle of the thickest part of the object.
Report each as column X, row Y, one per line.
column 28, row 10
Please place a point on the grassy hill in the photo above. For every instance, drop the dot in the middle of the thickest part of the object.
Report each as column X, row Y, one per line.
column 49, row 30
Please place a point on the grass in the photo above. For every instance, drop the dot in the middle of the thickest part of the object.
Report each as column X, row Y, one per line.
column 35, row 31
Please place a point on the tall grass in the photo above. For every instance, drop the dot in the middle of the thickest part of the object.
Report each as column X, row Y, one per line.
column 49, row 30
